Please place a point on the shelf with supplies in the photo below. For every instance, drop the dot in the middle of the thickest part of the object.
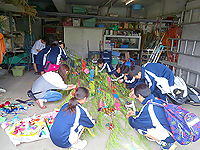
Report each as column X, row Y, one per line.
column 54, row 32
column 122, row 42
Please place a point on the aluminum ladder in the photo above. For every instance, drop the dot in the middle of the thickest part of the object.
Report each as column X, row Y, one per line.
column 178, row 70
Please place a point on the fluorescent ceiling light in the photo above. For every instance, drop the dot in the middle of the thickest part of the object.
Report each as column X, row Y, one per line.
column 130, row 1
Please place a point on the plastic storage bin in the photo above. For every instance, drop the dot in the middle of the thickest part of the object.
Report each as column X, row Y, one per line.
column 18, row 71
column 136, row 6
column 79, row 10
column 133, row 46
column 101, row 25
column 89, row 22
column 115, row 61
column 107, row 56
column 114, row 53
column 124, row 46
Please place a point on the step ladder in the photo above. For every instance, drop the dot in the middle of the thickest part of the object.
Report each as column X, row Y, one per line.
column 191, row 16
column 185, row 50
column 155, row 55
column 182, row 48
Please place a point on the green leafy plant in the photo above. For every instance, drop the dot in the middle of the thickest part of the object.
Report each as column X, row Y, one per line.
column 103, row 92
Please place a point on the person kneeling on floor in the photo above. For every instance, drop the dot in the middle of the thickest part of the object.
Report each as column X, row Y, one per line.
column 151, row 120
column 159, row 78
column 70, row 122
column 104, row 65
column 44, row 88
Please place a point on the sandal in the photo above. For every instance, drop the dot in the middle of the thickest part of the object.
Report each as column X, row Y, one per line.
column 42, row 107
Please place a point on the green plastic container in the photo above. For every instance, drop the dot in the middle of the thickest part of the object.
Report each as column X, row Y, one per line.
column 79, row 10
column 115, row 61
column 18, row 71
column 89, row 22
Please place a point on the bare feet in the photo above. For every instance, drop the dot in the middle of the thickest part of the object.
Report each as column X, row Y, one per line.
column 40, row 102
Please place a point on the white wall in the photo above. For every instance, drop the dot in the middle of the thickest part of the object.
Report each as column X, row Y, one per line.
column 122, row 12
column 165, row 7
column 76, row 39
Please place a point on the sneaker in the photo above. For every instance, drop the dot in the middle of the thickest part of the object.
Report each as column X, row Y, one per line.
column 80, row 145
column 37, row 73
column 168, row 146
column 2, row 90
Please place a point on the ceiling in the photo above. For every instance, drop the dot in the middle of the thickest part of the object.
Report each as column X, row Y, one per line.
column 116, row 3
column 53, row 5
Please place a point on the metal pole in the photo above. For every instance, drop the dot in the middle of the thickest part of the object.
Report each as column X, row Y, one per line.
column 186, row 43
column 179, row 42
column 194, row 46
column 190, row 18
column 188, row 76
column 197, row 81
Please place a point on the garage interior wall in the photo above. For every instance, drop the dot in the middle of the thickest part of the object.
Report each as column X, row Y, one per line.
column 22, row 24
column 165, row 7
column 76, row 39
column 191, row 31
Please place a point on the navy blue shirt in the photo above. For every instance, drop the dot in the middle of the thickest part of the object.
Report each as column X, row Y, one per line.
column 40, row 55
column 66, row 127
column 153, row 71
column 108, row 67
column 144, row 120
column 56, row 54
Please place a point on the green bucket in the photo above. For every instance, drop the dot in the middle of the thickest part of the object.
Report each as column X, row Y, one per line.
column 18, row 71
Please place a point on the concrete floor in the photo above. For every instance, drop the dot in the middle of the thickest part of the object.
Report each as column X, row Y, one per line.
column 18, row 86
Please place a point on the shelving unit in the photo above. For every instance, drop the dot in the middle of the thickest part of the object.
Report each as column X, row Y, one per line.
column 117, row 42
column 123, row 44
column 53, row 32
column 14, row 44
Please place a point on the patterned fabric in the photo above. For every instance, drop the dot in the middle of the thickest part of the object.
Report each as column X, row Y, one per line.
column 193, row 123
column 185, row 126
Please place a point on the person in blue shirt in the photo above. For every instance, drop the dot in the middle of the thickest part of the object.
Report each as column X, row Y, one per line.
column 159, row 78
column 38, row 46
column 130, row 81
column 55, row 55
column 117, row 73
column 71, row 121
column 151, row 121
column 104, row 65
column 41, row 57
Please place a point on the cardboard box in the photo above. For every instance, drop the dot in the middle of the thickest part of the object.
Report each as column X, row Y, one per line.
column 113, row 15
column 126, row 25
column 127, row 55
